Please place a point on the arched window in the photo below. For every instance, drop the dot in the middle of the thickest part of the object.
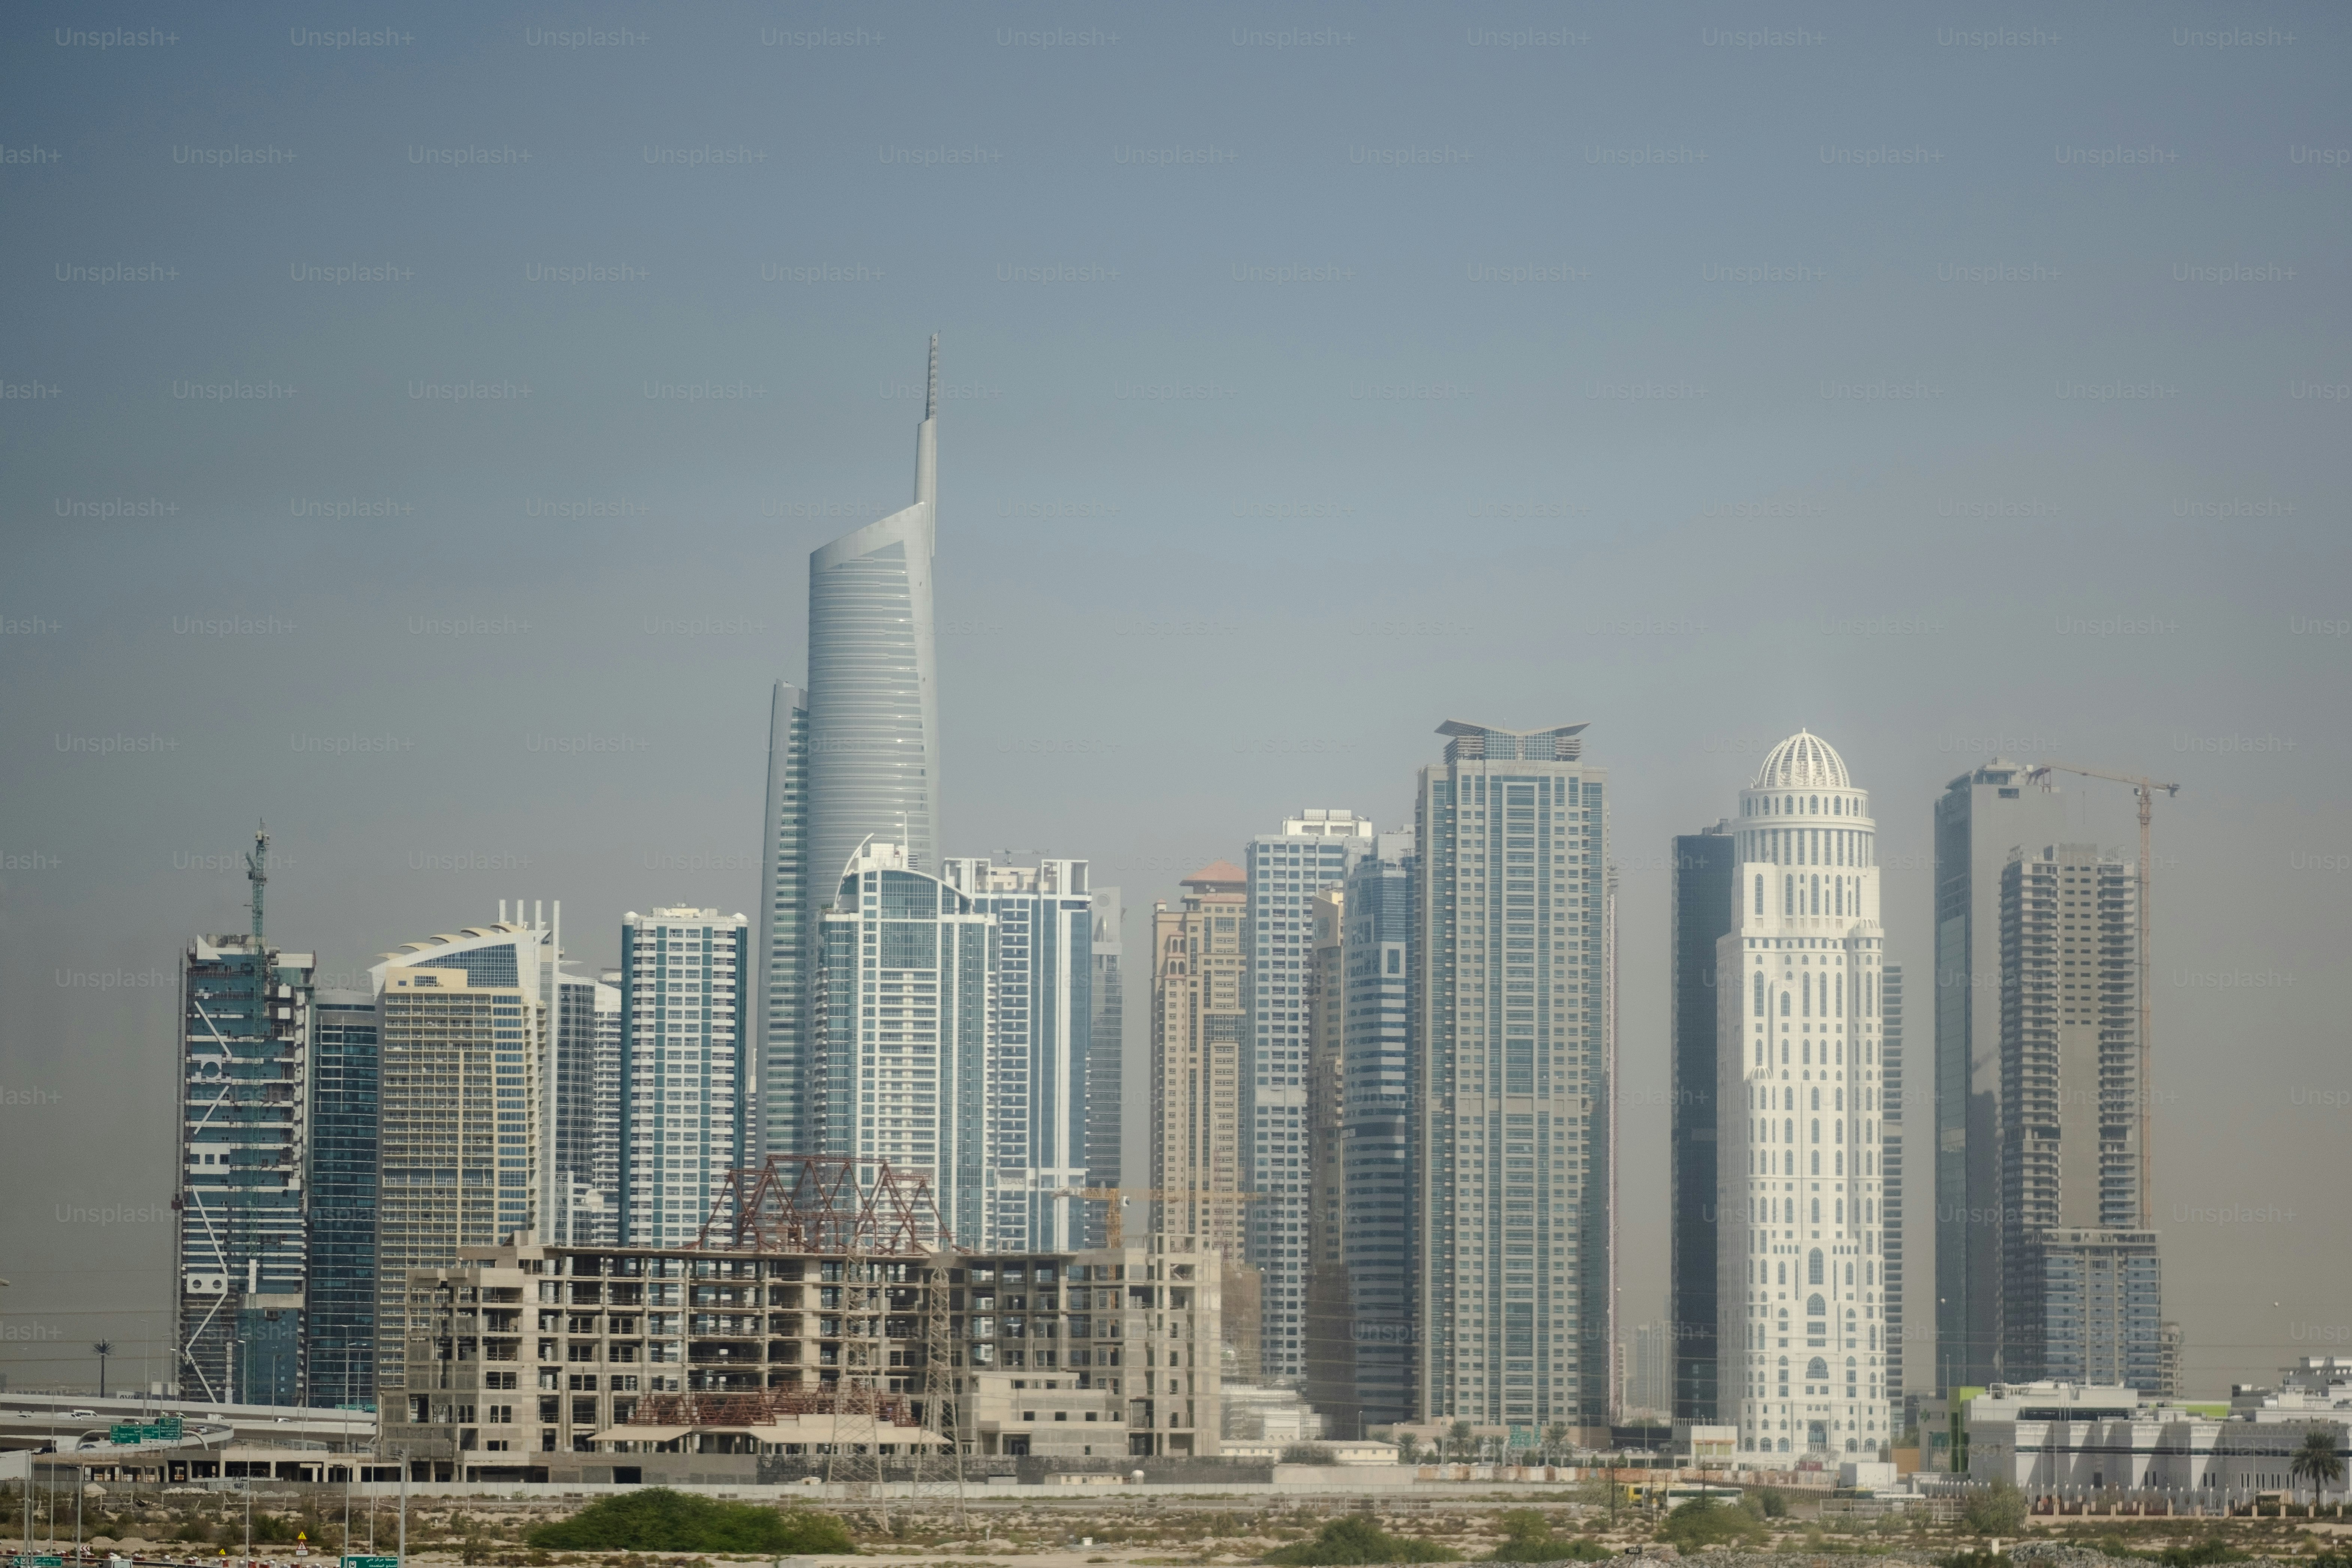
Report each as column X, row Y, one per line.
column 1817, row 1369
column 1814, row 804
column 1817, row 895
column 1784, row 1003
column 1815, row 1307
column 1760, row 973
column 1813, row 1270
column 1788, row 894
column 1759, row 892
column 1817, row 1130
column 1789, row 1129
column 1817, row 1202
column 1808, row 981
column 1783, row 1271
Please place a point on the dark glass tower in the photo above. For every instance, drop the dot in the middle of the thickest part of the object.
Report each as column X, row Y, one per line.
column 1705, row 867
column 341, row 1322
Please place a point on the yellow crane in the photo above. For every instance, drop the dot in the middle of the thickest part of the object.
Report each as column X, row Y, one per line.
column 2144, row 789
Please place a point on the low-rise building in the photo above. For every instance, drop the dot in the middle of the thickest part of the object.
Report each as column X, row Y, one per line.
column 2072, row 1439
column 535, row 1362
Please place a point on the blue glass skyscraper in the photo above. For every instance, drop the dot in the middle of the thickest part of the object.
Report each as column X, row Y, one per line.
column 873, row 696
column 341, row 1322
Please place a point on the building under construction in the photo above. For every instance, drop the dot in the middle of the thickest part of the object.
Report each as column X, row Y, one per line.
column 822, row 1320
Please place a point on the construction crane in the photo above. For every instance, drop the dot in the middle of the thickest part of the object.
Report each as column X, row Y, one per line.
column 1114, row 1224
column 2144, row 789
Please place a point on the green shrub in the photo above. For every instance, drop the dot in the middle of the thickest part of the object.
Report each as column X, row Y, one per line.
column 1773, row 1501
column 1356, row 1539
column 1703, row 1522
column 1528, row 1538
column 1997, row 1509
column 655, row 1519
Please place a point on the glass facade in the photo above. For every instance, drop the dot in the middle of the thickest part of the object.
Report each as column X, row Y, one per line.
column 1705, row 865
column 1040, row 1022
column 587, row 1119
column 779, row 1084
column 340, row 1322
column 901, row 1040
column 1890, row 1053
column 873, row 693
column 242, row 1262
column 1105, row 1060
column 1375, row 1144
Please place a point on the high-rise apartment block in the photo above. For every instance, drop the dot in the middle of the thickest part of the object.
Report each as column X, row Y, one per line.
column 1314, row 850
column 1039, row 1022
column 240, row 1264
column 777, row 1086
column 1378, row 1124
column 2080, row 1276
column 1106, row 1062
column 1705, row 865
column 1802, row 1335
column 462, row 1035
column 1981, row 815
column 1330, row 1353
column 339, row 1319
column 1890, row 1166
column 686, row 1014
column 900, row 1009
column 587, row 1117
column 1200, row 974
column 1510, row 1159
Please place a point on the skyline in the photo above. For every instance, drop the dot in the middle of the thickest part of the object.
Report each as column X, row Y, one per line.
column 459, row 650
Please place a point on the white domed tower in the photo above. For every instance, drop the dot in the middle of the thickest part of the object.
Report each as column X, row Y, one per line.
column 1804, row 1357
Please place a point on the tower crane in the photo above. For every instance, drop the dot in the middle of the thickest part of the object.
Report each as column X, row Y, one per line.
column 2144, row 789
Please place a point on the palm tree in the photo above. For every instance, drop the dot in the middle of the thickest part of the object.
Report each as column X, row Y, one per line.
column 2315, row 1463
column 1460, row 1436
column 104, row 1348
column 1555, row 1441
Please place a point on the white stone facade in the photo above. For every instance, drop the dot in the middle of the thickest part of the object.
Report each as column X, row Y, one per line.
column 1802, row 1328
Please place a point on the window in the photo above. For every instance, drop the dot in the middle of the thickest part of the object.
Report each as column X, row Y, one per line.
column 1813, row 1274
column 1760, row 973
column 1817, row 1369
column 1759, row 892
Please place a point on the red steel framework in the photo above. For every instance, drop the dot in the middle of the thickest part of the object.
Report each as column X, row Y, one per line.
column 816, row 1203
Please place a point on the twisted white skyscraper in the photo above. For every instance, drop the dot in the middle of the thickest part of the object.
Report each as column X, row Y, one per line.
column 873, row 686
column 1802, row 1269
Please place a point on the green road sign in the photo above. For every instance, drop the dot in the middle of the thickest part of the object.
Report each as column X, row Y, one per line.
column 371, row 1562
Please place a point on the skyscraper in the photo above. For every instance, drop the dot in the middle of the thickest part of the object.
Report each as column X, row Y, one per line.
column 1106, row 1059
column 1331, row 1350
column 1378, row 1122
column 1314, row 850
column 873, row 694
column 340, row 1322
column 241, row 1266
column 1981, row 817
column 900, row 1006
column 463, row 1079
column 778, row 1084
column 1040, row 1018
column 586, row 1145
column 1800, row 1338
column 1512, row 1196
column 686, row 980
column 2080, row 1297
column 1705, row 865
column 1199, row 973
column 1890, row 1160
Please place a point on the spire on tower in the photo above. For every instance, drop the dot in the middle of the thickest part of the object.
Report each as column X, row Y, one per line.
column 932, row 398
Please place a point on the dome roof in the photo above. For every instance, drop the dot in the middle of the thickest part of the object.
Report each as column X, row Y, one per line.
column 1804, row 761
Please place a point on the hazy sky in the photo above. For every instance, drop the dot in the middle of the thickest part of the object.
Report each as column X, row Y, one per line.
column 418, row 421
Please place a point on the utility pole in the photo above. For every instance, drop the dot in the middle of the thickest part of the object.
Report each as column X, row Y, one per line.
column 401, row 1553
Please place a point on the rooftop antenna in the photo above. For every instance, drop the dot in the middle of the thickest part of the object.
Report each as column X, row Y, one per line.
column 257, row 872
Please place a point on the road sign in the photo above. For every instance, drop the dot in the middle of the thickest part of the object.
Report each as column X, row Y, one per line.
column 371, row 1562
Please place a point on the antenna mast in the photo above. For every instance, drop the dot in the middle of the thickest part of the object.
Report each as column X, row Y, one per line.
column 257, row 872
